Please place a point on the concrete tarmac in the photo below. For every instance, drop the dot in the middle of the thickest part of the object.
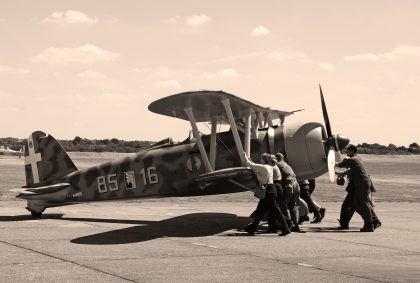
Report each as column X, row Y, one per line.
column 177, row 240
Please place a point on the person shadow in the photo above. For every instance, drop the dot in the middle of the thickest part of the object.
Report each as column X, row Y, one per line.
column 330, row 230
column 188, row 225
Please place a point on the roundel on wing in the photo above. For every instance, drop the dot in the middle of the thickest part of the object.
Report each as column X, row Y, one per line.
column 193, row 163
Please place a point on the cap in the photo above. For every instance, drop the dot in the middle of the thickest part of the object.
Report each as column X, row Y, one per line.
column 352, row 147
column 279, row 156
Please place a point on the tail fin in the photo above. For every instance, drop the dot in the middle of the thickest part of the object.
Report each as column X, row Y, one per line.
column 45, row 160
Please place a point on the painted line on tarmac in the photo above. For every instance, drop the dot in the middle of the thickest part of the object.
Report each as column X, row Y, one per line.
column 305, row 264
column 364, row 244
column 238, row 252
column 68, row 261
column 204, row 245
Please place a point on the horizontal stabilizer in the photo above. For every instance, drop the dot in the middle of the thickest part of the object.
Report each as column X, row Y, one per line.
column 26, row 193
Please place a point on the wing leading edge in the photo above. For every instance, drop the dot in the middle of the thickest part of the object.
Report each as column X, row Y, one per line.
column 207, row 105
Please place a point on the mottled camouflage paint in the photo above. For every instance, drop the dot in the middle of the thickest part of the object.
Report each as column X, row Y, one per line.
column 55, row 162
column 170, row 161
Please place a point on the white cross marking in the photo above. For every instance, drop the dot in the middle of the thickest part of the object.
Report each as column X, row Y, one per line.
column 32, row 159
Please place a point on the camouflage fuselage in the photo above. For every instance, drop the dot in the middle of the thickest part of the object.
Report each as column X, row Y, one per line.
column 166, row 171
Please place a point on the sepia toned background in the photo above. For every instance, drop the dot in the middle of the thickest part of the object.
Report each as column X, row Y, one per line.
column 91, row 68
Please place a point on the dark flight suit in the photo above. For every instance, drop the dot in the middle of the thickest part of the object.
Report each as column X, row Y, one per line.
column 348, row 208
column 361, row 183
column 268, row 204
column 312, row 185
column 289, row 203
column 306, row 196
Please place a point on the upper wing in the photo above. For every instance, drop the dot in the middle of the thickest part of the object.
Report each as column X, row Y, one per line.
column 207, row 106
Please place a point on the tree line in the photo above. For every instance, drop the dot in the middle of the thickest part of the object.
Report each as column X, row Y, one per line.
column 116, row 145
column 87, row 145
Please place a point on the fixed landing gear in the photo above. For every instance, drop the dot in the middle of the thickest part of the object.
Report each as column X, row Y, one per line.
column 37, row 213
column 36, row 207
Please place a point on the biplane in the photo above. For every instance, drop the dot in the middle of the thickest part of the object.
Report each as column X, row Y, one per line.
column 201, row 164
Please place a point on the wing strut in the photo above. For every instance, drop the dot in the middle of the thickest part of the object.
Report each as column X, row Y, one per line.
column 226, row 104
column 213, row 144
column 254, row 127
column 197, row 136
column 260, row 120
column 248, row 132
column 269, row 120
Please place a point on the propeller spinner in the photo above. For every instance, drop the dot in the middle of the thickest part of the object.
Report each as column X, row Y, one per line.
column 333, row 143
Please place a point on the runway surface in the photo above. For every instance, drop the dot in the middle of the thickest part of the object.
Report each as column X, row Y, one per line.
column 185, row 240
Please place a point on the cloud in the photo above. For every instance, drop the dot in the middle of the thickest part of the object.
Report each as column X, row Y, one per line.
column 402, row 51
column 112, row 97
column 362, row 57
column 12, row 70
column 171, row 83
column 355, row 88
column 300, row 57
column 197, row 20
column 77, row 98
column 260, row 31
column 399, row 52
column 279, row 56
column 325, row 66
column 162, row 72
column 229, row 59
column 86, row 54
column 225, row 73
column 89, row 74
column 141, row 70
column 285, row 56
column 70, row 17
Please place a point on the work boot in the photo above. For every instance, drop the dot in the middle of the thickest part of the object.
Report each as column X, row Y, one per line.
column 316, row 220
column 284, row 233
column 343, row 227
column 322, row 211
column 368, row 227
column 303, row 218
column 296, row 229
column 376, row 224
column 250, row 229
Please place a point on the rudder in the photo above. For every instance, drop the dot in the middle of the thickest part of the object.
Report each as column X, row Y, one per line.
column 46, row 161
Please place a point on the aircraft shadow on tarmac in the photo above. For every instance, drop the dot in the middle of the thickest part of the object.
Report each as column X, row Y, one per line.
column 188, row 225
column 28, row 217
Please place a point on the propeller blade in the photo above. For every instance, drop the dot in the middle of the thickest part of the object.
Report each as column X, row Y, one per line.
column 331, row 164
column 325, row 113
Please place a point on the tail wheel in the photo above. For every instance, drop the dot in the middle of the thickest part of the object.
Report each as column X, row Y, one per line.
column 36, row 213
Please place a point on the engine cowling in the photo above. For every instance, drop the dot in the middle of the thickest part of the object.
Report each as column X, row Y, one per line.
column 305, row 149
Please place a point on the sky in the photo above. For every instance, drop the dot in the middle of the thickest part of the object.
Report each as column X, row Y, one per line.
column 91, row 68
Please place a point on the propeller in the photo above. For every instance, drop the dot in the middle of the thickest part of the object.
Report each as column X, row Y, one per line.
column 334, row 143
